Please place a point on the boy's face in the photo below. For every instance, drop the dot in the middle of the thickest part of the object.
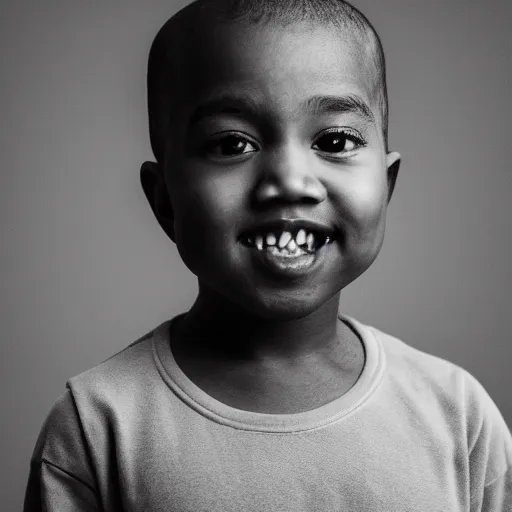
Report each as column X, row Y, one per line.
column 272, row 125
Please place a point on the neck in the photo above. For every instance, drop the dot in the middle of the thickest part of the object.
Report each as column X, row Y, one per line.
column 225, row 330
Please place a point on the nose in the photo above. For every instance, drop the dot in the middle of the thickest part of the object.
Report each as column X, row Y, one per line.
column 287, row 175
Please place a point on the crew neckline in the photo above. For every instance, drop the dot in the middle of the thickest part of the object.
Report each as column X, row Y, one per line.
column 222, row 413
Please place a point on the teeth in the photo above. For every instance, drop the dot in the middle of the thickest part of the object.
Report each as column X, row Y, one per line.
column 301, row 237
column 292, row 245
column 286, row 243
column 284, row 239
column 310, row 241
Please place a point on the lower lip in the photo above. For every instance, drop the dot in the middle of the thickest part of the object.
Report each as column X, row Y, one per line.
column 287, row 266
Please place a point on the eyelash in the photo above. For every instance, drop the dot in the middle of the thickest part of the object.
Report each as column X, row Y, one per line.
column 224, row 137
column 349, row 134
column 346, row 133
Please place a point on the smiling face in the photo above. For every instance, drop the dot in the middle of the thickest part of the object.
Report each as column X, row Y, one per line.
column 276, row 167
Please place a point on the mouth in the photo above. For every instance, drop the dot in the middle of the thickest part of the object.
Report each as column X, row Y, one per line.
column 289, row 246
column 288, row 237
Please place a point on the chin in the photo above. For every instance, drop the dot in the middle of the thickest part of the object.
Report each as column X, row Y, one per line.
column 282, row 306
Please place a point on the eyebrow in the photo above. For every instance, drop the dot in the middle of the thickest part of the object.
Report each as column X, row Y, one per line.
column 232, row 105
column 350, row 104
column 314, row 106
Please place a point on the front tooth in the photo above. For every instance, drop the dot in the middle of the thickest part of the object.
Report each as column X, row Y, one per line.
column 259, row 242
column 311, row 241
column 271, row 239
column 301, row 237
column 284, row 239
column 292, row 245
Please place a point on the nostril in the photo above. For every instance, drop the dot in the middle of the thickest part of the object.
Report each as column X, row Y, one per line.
column 291, row 189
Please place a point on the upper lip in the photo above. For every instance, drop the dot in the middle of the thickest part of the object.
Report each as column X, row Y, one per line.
column 293, row 225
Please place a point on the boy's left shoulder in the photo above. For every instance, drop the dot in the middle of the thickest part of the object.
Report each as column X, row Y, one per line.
column 447, row 392
column 429, row 378
column 405, row 362
column 450, row 397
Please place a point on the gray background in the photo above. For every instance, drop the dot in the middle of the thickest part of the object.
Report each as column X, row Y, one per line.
column 86, row 268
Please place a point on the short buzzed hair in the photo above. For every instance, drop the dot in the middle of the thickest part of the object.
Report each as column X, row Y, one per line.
column 337, row 13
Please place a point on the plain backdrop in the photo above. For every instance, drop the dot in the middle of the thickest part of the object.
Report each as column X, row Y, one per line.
column 86, row 269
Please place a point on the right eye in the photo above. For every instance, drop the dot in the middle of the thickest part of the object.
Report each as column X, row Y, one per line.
column 229, row 145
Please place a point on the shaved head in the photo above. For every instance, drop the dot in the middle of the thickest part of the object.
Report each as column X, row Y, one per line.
column 168, row 54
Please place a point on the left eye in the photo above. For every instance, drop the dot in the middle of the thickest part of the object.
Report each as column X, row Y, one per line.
column 339, row 141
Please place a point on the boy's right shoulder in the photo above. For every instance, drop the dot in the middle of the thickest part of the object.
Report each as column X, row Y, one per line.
column 123, row 374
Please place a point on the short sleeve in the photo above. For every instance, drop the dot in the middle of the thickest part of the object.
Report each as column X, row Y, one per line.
column 61, row 476
column 497, row 495
column 490, row 452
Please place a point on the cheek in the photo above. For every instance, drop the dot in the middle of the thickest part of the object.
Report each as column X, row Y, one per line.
column 365, row 201
column 206, row 212
column 362, row 208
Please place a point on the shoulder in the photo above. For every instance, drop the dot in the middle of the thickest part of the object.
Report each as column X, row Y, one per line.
column 98, row 404
column 133, row 359
column 61, row 418
column 420, row 370
column 452, row 396
column 63, row 430
column 432, row 380
column 408, row 366
column 61, row 447
column 127, row 377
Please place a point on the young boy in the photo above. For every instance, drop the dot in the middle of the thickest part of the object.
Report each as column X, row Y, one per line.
column 268, row 120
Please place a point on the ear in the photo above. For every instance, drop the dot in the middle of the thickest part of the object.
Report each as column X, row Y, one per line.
column 393, row 160
column 154, row 186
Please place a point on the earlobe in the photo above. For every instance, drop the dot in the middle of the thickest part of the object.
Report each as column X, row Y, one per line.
column 393, row 160
column 154, row 187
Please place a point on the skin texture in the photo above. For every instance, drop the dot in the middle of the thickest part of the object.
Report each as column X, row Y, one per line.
column 274, row 340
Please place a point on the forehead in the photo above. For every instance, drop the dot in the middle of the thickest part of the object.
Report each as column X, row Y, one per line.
column 279, row 67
